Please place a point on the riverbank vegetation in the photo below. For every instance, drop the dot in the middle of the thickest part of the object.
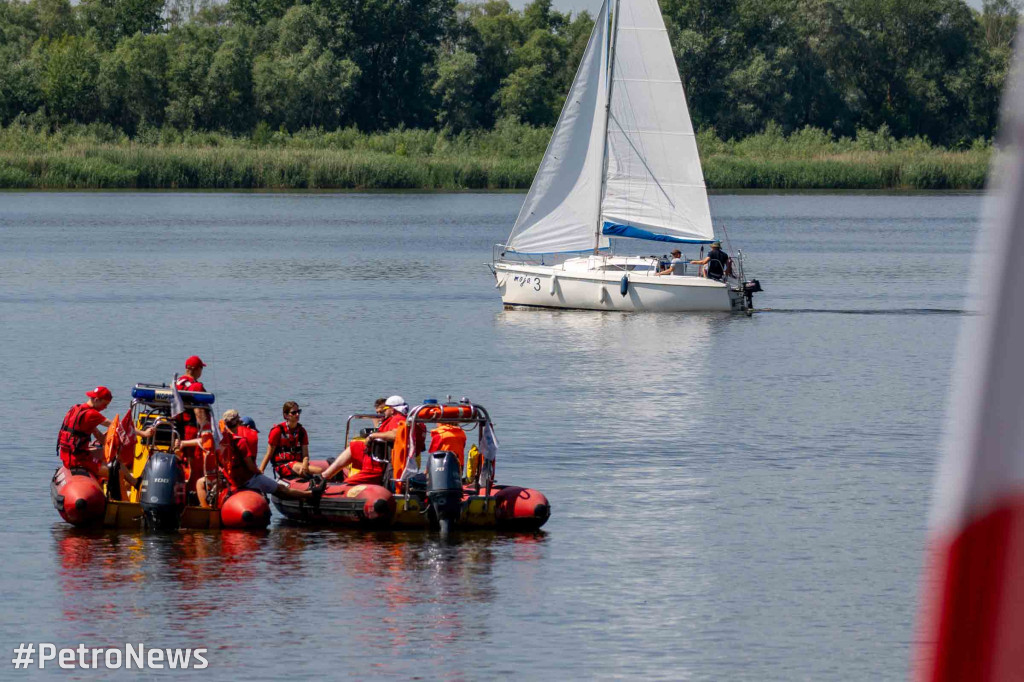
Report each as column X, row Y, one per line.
column 434, row 94
column 506, row 157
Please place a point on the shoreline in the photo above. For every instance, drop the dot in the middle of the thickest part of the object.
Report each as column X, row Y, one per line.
column 222, row 168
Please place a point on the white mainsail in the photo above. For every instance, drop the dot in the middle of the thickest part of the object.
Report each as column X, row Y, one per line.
column 654, row 180
column 645, row 174
column 561, row 210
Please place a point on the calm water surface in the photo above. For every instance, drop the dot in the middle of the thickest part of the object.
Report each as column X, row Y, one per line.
column 732, row 498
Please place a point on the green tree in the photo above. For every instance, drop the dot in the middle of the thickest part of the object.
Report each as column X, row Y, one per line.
column 55, row 18
column 394, row 44
column 454, row 88
column 132, row 82
column 68, row 71
column 300, row 82
column 112, row 20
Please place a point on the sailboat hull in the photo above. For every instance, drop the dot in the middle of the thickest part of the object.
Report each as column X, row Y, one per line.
column 540, row 286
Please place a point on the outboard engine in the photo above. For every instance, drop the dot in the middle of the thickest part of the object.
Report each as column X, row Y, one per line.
column 749, row 289
column 444, row 489
column 162, row 491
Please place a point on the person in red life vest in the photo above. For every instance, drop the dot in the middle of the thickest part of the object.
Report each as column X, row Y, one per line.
column 247, row 430
column 358, row 452
column 81, row 424
column 197, row 452
column 189, row 381
column 289, row 446
column 239, row 470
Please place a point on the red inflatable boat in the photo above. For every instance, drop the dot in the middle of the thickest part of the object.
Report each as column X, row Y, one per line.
column 445, row 488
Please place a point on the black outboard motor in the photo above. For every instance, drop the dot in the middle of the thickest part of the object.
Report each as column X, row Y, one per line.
column 162, row 491
column 444, row 489
column 749, row 289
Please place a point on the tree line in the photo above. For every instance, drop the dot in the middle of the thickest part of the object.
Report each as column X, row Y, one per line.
column 930, row 68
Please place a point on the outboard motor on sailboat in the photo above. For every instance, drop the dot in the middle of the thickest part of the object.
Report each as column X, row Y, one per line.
column 444, row 489
column 162, row 491
column 749, row 289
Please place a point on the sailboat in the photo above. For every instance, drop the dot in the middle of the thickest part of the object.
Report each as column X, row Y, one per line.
column 622, row 163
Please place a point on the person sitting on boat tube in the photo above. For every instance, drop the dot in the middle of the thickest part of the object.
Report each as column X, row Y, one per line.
column 239, row 471
column 289, row 446
column 716, row 265
column 81, row 424
column 357, row 453
column 677, row 266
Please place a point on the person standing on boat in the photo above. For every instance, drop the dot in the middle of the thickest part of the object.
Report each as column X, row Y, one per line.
column 189, row 381
column 289, row 446
column 185, row 423
column 239, row 470
column 677, row 266
column 81, row 424
column 717, row 264
column 358, row 452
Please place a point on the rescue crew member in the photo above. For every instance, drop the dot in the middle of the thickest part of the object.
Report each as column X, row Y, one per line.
column 81, row 424
column 449, row 438
column 247, row 430
column 289, row 446
column 717, row 264
column 185, row 423
column 239, row 470
column 358, row 454
column 378, row 407
column 677, row 266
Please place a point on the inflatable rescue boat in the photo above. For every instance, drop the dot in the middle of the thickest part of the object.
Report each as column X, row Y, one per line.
column 445, row 488
column 166, row 477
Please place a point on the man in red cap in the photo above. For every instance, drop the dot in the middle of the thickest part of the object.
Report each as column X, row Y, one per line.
column 189, row 381
column 81, row 424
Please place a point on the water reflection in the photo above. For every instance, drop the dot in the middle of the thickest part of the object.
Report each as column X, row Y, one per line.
column 381, row 592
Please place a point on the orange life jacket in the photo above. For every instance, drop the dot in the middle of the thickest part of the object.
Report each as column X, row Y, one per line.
column 450, row 438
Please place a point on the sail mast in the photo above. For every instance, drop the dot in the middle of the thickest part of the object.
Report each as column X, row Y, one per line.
column 613, row 20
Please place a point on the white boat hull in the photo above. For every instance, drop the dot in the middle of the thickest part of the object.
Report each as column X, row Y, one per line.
column 543, row 286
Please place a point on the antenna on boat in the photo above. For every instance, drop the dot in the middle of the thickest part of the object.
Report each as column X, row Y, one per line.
column 613, row 22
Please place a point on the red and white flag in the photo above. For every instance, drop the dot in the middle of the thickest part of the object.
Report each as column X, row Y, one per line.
column 125, row 433
column 972, row 616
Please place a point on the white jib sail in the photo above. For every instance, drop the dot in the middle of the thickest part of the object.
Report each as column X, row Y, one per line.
column 654, row 179
column 560, row 212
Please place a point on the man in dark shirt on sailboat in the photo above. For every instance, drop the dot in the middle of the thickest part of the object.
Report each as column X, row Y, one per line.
column 717, row 263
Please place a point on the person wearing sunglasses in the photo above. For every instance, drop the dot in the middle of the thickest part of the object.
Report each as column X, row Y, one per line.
column 289, row 446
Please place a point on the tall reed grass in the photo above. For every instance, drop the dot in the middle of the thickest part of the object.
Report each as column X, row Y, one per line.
column 99, row 157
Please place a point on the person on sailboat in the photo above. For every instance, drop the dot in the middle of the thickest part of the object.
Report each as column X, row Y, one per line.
column 717, row 264
column 677, row 266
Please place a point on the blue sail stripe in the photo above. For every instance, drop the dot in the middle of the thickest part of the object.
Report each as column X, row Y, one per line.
column 619, row 230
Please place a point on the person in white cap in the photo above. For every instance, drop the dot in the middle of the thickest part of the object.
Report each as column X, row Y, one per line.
column 357, row 453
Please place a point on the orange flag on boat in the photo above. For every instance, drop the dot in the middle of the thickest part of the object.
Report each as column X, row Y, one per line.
column 120, row 440
column 971, row 624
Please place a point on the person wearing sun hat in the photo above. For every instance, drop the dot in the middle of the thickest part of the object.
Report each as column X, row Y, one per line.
column 717, row 264
column 81, row 424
